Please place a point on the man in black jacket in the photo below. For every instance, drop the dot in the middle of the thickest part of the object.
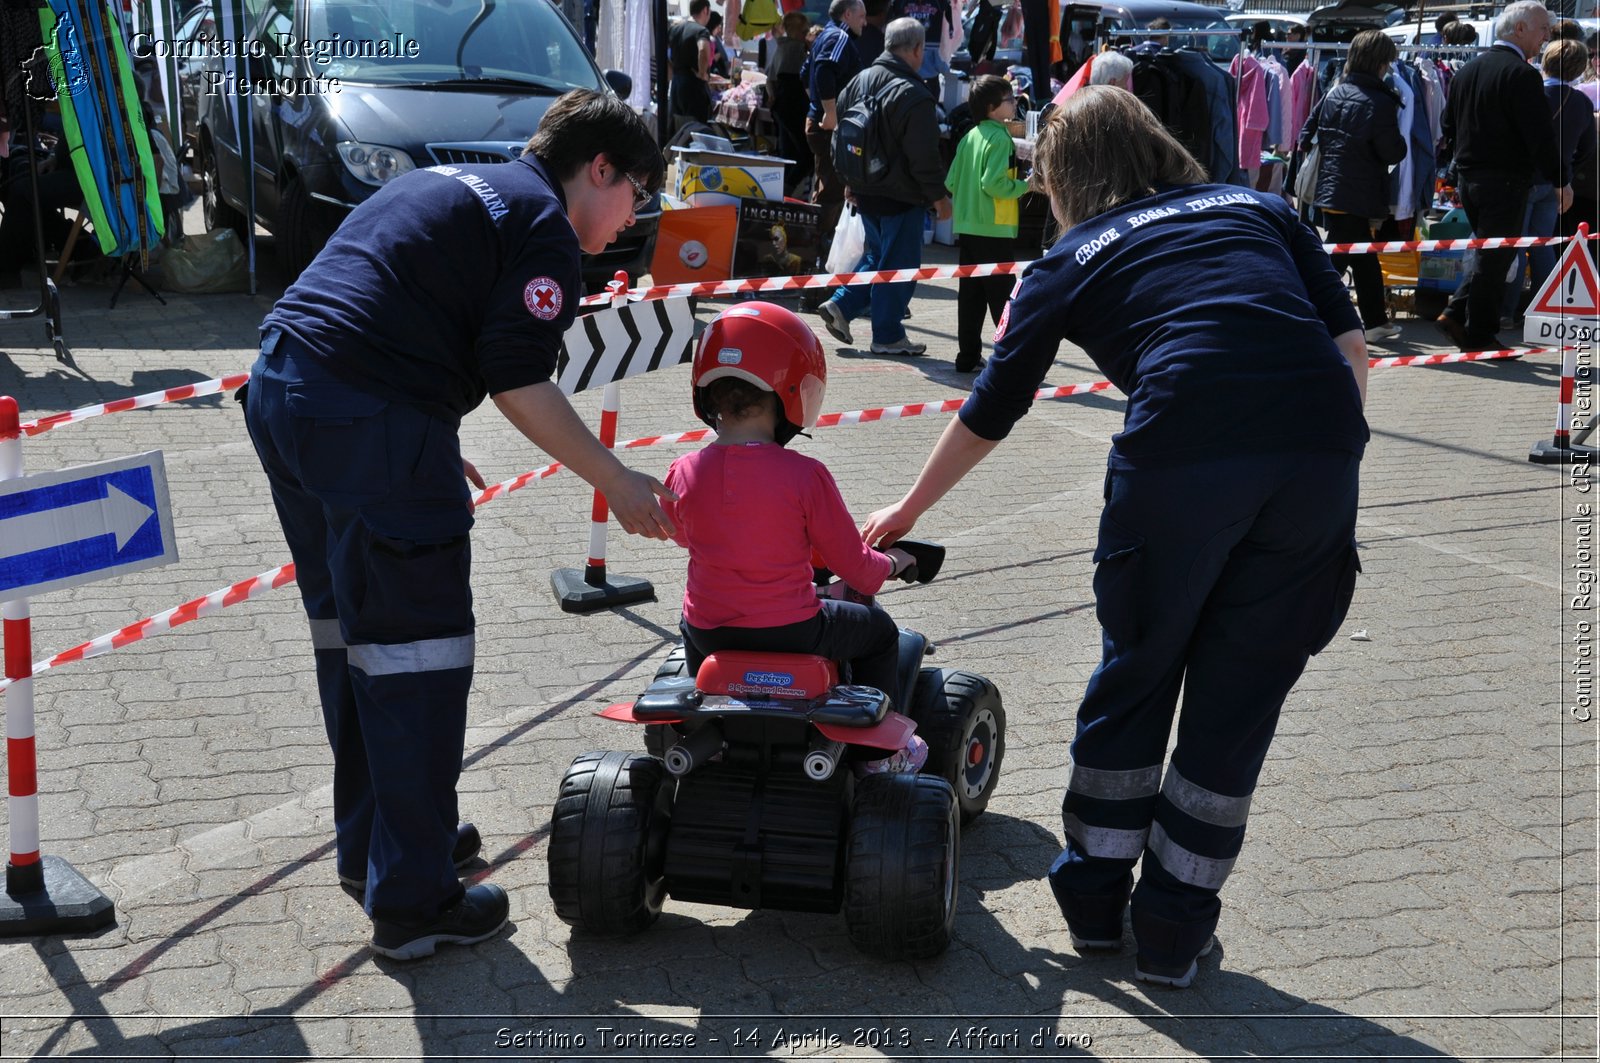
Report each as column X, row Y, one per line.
column 833, row 61
column 1498, row 126
column 893, row 203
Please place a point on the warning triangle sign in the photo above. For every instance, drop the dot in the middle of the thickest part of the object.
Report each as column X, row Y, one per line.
column 1572, row 287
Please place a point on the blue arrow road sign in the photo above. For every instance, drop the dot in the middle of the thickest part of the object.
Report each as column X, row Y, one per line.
column 73, row 526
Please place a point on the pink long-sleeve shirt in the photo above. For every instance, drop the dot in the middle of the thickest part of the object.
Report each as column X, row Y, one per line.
column 750, row 515
column 1253, row 114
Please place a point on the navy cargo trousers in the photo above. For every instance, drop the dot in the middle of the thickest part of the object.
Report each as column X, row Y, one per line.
column 372, row 502
column 1220, row 578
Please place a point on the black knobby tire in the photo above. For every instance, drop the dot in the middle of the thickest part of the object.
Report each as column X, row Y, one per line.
column 902, row 860
column 660, row 737
column 960, row 716
column 606, row 840
column 304, row 227
column 215, row 210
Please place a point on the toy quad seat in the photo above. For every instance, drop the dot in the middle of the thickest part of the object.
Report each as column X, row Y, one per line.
column 958, row 713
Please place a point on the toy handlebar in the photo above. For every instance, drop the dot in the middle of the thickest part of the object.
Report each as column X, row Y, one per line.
column 927, row 559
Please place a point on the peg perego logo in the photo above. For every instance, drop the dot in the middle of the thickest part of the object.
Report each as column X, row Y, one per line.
column 769, row 679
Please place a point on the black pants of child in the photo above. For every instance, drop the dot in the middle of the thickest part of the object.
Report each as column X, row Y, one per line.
column 863, row 635
column 975, row 295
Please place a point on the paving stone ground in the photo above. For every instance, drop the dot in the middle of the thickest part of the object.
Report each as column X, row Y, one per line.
column 1419, row 880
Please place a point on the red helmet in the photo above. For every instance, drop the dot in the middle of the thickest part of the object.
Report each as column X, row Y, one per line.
column 769, row 346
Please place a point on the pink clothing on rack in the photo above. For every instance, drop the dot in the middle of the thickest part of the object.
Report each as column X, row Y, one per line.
column 1302, row 83
column 1253, row 114
column 750, row 515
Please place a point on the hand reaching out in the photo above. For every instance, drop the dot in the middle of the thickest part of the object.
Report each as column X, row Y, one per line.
column 887, row 526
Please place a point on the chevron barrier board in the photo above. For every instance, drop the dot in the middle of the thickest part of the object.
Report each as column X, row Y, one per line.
column 624, row 341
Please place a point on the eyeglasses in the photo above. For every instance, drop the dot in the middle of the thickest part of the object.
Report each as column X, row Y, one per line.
column 641, row 198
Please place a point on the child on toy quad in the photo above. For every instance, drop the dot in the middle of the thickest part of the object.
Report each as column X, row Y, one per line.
column 753, row 514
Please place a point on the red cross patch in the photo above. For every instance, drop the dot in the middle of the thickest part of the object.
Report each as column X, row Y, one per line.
column 1000, row 326
column 1005, row 315
column 542, row 297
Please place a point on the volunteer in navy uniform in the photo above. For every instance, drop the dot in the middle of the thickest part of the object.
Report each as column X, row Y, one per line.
column 450, row 284
column 1225, row 555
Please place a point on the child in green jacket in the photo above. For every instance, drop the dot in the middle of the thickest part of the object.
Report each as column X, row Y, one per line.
column 984, row 189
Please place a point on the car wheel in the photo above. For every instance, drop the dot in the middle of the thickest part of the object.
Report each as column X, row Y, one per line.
column 214, row 209
column 607, row 842
column 305, row 225
column 901, row 870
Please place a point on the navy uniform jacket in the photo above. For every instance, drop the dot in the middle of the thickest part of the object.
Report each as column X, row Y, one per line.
column 1212, row 307
column 832, row 62
column 449, row 284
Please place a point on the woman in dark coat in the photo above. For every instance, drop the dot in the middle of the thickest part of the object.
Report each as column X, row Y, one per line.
column 1358, row 130
column 1225, row 556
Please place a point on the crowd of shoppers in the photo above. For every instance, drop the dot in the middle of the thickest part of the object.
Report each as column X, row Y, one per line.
column 1520, row 154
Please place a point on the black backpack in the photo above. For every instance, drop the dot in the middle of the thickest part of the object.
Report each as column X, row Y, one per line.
column 858, row 152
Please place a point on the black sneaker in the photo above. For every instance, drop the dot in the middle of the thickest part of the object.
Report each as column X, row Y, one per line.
column 479, row 914
column 469, row 843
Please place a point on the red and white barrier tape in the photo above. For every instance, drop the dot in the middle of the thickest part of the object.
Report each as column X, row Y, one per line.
column 1459, row 356
column 1487, row 243
column 743, row 285
column 278, row 577
column 739, row 285
column 516, row 483
column 137, row 402
column 211, row 603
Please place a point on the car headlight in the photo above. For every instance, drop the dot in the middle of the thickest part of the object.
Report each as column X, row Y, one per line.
column 374, row 164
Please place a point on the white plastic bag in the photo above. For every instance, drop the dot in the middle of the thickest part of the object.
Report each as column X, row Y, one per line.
column 849, row 243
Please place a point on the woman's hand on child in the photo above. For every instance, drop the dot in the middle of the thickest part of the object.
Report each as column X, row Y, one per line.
column 888, row 525
column 632, row 498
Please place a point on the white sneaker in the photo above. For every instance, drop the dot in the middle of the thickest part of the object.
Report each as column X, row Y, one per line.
column 1379, row 333
column 833, row 318
column 1172, row 978
column 898, row 347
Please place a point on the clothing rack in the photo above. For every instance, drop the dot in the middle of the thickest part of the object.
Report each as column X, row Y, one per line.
column 1330, row 46
column 1204, row 31
column 1123, row 40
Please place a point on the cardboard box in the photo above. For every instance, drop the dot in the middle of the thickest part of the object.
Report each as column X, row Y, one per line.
column 721, row 179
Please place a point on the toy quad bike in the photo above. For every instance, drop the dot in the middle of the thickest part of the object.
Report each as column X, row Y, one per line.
column 751, row 799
